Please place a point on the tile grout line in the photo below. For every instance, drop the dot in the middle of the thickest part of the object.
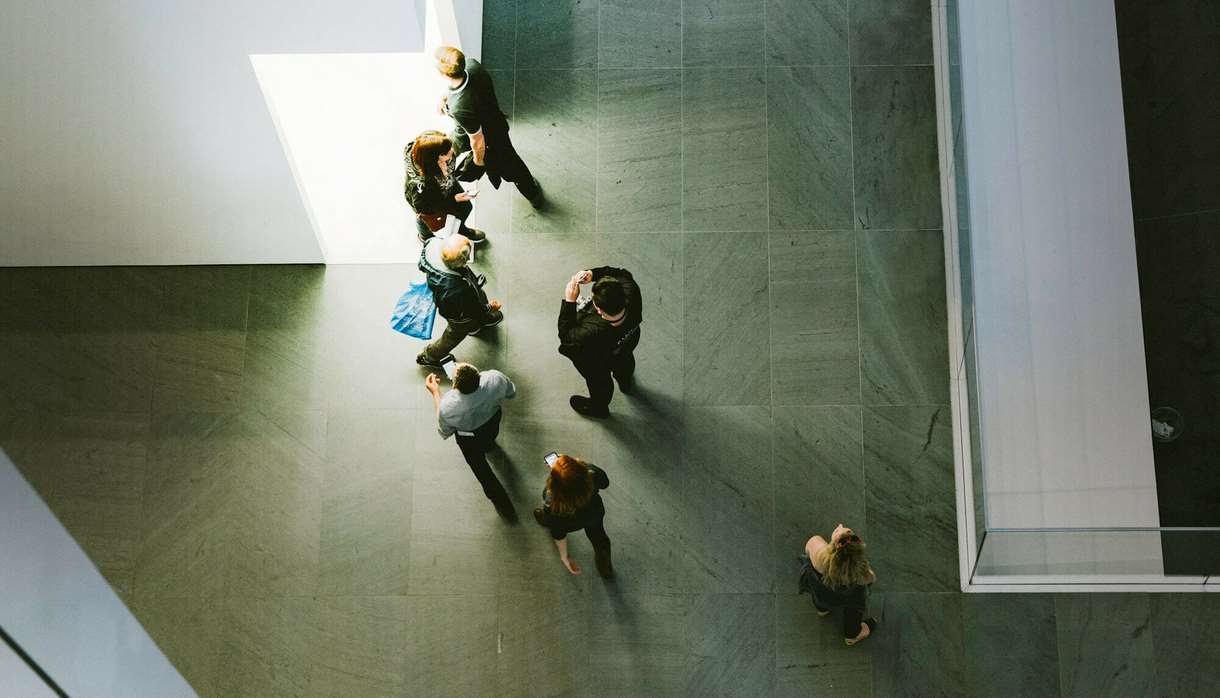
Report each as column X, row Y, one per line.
column 855, row 246
column 770, row 342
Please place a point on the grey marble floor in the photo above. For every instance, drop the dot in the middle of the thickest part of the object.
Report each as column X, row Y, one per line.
column 248, row 454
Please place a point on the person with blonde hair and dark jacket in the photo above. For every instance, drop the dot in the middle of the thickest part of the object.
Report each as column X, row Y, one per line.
column 837, row 575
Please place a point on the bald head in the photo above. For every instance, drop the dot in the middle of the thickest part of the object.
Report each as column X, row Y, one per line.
column 455, row 251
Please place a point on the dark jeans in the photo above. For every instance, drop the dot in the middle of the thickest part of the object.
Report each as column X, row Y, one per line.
column 460, row 209
column 597, row 377
column 601, row 548
column 474, row 450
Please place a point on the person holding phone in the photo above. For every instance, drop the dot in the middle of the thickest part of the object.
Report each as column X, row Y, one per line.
column 570, row 502
column 470, row 412
column 600, row 336
column 432, row 190
column 837, row 576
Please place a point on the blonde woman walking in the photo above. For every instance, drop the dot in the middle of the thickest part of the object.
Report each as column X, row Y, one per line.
column 837, row 575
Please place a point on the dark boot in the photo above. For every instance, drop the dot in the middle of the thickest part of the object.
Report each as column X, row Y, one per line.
column 601, row 558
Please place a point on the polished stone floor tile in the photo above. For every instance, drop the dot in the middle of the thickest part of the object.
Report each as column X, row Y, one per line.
column 639, row 150
column 722, row 32
column 724, row 117
column 1008, row 644
column 727, row 498
column 557, row 34
column 187, row 631
column 809, row 148
column 918, row 648
column 897, row 174
column 815, row 341
column 453, row 645
column 730, row 641
column 640, row 34
column 499, row 35
column 266, row 645
column 909, row 499
column 891, row 32
column 640, row 642
column 277, row 482
column 555, row 133
column 190, row 506
column 903, row 319
column 199, row 355
column 807, row 32
column 1186, row 642
column 810, row 657
column 359, row 646
column 543, row 647
column 1105, row 644
column 819, row 480
column 726, row 326
column 366, row 502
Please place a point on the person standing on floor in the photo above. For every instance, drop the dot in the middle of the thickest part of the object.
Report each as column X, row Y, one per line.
column 571, row 502
column 481, row 126
column 470, row 412
column 600, row 335
column 458, row 293
column 837, row 575
column 431, row 189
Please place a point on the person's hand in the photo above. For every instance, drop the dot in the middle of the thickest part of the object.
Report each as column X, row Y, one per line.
column 570, row 564
column 572, row 291
column 443, row 107
column 585, row 276
column 464, row 196
column 433, row 383
column 839, row 530
column 494, row 305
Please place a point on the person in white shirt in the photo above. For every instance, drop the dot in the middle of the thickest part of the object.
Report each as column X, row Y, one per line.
column 470, row 412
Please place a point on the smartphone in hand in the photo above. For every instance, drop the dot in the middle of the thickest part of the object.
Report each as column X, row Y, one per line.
column 550, row 458
column 450, row 367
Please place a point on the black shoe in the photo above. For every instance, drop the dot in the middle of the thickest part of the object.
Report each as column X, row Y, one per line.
column 627, row 386
column 538, row 200
column 506, row 510
column 424, row 360
column 475, row 235
column 584, row 406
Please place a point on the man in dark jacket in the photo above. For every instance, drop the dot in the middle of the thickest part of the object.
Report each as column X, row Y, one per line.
column 600, row 335
column 458, row 293
column 481, row 126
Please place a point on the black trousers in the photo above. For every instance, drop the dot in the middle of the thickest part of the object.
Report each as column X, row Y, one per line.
column 601, row 548
column 502, row 162
column 474, row 450
column 597, row 376
column 460, row 209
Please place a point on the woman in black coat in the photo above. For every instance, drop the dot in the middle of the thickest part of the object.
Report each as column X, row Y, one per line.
column 431, row 189
column 570, row 503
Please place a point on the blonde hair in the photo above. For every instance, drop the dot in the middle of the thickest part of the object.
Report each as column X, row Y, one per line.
column 845, row 563
column 456, row 251
column 451, row 61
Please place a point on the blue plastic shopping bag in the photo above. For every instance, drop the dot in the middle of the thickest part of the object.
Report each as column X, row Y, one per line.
column 415, row 312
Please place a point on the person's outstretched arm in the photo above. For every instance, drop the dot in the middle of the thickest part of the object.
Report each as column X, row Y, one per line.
column 562, row 545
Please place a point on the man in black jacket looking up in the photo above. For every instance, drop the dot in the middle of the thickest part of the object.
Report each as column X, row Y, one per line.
column 458, row 293
column 600, row 335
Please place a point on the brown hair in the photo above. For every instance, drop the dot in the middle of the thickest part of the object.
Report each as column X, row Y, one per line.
column 429, row 146
column 845, row 563
column 569, row 486
column 451, row 61
column 466, row 378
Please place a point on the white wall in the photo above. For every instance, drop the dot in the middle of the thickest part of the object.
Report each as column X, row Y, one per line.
column 136, row 133
column 1062, row 383
column 343, row 120
column 59, row 608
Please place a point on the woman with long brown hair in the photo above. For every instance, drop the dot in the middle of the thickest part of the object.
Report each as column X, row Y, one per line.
column 570, row 502
column 431, row 188
column 837, row 575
